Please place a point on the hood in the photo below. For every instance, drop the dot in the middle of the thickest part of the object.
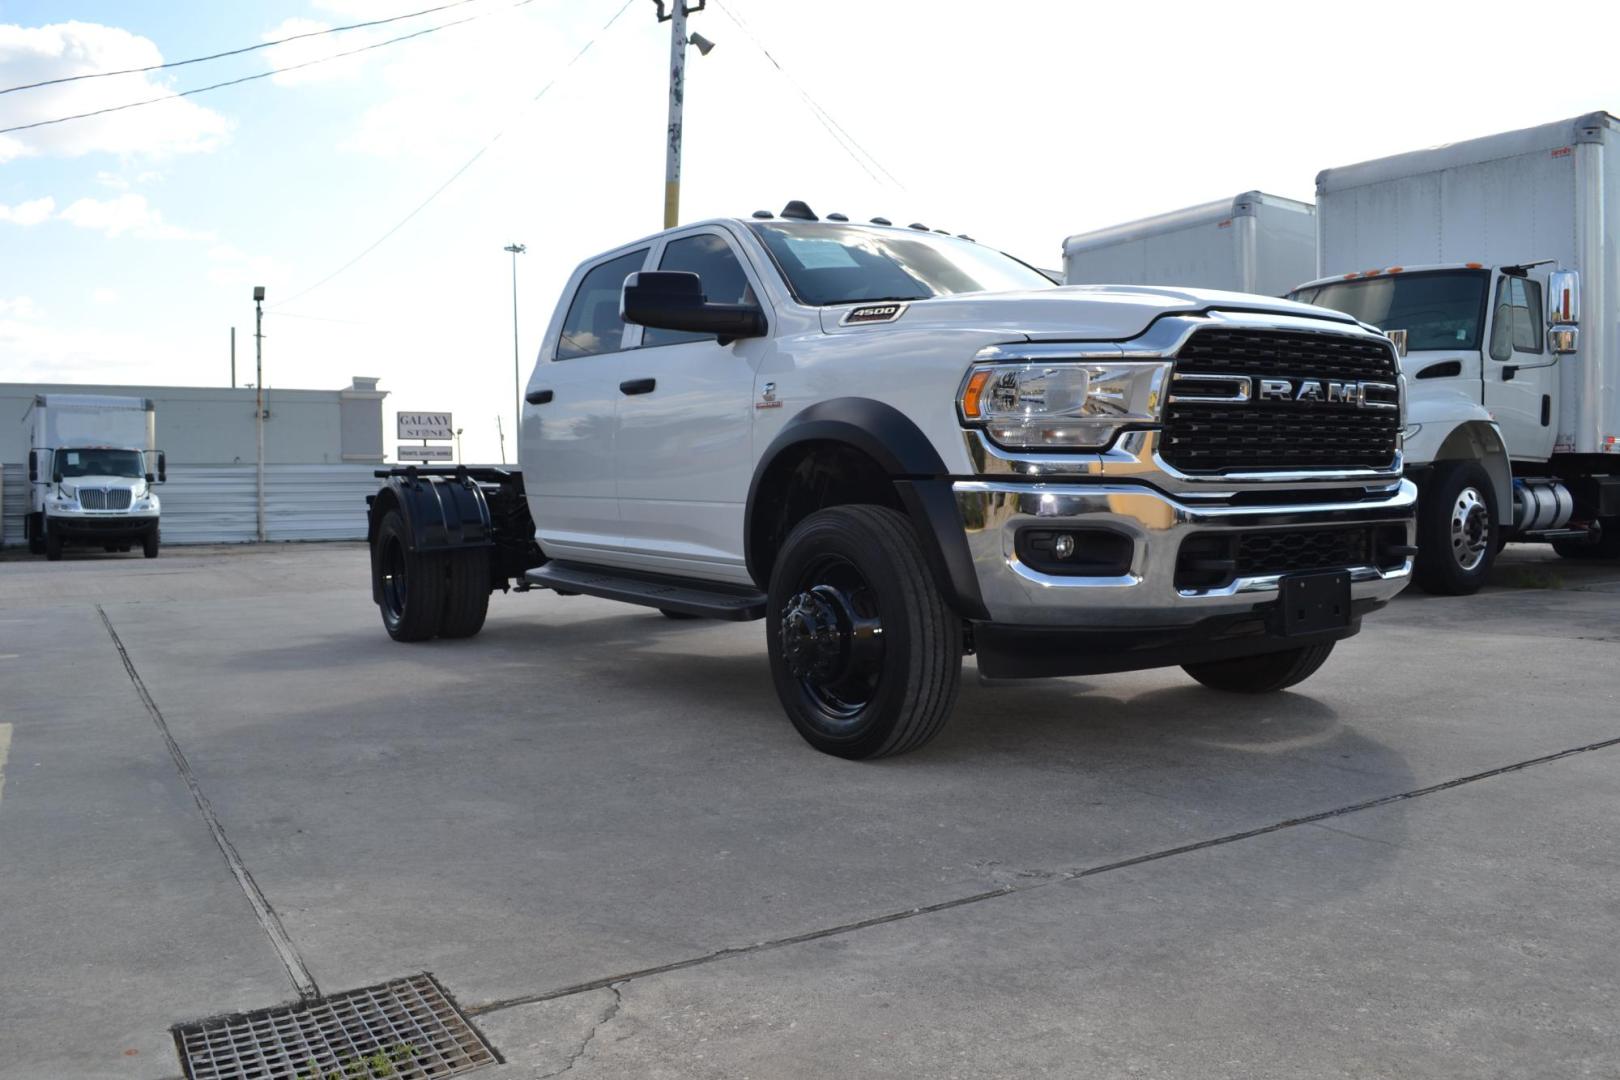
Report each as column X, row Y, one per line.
column 1070, row 312
column 136, row 484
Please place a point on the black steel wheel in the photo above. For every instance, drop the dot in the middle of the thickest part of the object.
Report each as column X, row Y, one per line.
column 1262, row 674
column 410, row 585
column 1457, row 530
column 865, row 655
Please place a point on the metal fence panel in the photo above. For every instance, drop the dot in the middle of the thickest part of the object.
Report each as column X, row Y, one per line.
column 216, row 504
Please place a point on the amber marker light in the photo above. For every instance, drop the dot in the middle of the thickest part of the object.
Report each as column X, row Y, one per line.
column 970, row 397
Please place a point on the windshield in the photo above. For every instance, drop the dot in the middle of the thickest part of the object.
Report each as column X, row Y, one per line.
column 1442, row 309
column 830, row 263
column 100, row 463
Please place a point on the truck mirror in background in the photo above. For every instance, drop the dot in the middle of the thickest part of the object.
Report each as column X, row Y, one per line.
column 1399, row 338
column 33, row 466
column 674, row 300
column 1563, row 298
column 163, row 468
column 1563, row 340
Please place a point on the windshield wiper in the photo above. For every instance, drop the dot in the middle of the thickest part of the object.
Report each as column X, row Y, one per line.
column 878, row 300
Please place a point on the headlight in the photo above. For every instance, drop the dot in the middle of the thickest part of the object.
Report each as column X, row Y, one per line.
column 1062, row 404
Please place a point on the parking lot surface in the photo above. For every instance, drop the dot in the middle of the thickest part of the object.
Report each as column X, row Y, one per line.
column 223, row 783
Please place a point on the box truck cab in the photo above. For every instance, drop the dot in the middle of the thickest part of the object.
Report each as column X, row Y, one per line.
column 1492, row 264
column 92, row 467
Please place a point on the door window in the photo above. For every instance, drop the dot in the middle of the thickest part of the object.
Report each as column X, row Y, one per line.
column 709, row 257
column 592, row 325
column 1518, row 318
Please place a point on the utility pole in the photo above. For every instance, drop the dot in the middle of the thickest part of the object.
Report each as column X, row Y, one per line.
column 517, row 386
column 678, row 41
column 258, row 395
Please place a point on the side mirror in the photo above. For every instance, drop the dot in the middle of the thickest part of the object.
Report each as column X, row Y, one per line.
column 163, row 468
column 33, row 466
column 150, row 479
column 673, row 300
column 1563, row 298
column 1563, row 340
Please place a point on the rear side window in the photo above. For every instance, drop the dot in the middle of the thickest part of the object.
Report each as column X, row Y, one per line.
column 592, row 325
column 711, row 259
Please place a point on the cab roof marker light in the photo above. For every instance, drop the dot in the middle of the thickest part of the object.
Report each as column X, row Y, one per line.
column 1394, row 269
column 1474, row 266
column 1351, row 276
column 1371, row 273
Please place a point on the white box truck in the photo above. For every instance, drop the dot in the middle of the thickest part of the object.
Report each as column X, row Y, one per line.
column 1252, row 243
column 92, row 464
column 1492, row 262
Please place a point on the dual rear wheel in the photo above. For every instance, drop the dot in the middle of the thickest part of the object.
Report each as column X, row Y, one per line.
column 427, row 594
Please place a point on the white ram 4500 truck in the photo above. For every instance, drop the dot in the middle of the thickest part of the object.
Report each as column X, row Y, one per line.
column 1251, row 243
column 1496, row 263
column 92, row 464
column 898, row 448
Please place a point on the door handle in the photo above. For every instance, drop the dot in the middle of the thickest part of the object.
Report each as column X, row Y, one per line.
column 637, row 386
column 537, row 397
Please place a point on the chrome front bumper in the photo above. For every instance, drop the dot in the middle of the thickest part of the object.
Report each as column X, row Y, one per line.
column 993, row 512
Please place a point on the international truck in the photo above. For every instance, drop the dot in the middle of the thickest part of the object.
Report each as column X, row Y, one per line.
column 92, row 468
column 1495, row 264
column 1250, row 243
column 897, row 448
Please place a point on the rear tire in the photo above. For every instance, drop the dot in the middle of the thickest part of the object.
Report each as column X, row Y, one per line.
column 53, row 545
column 865, row 655
column 1457, row 530
column 466, row 600
column 410, row 585
column 1606, row 546
column 149, row 544
column 1262, row 674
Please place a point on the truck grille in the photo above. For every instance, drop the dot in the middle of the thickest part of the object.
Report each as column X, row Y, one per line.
column 104, row 498
column 1210, row 560
column 1213, row 437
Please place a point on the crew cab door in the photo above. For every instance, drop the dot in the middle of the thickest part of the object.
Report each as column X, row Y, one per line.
column 1519, row 372
column 570, row 417
column 683, row 457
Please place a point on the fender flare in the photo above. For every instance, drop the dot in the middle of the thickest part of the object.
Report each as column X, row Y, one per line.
column 888, row 437
column 1478, row 440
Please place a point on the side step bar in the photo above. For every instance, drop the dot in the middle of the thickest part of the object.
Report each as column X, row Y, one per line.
column 704, row 599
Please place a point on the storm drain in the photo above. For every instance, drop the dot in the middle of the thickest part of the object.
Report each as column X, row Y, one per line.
column 403, row 1029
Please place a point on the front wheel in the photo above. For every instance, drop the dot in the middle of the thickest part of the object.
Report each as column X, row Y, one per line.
column 865, row 655
column 1456, row 530
column 149, row 544
column 409, row 584
column 53, row 545
column 1263, row 674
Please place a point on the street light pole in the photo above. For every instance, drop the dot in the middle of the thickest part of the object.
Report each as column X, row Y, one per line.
column 678, row 41
column 258, row 397
column 517, row 378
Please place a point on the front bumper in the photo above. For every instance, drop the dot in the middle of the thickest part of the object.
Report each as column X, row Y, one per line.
column 1146, row 596
column 89, row 524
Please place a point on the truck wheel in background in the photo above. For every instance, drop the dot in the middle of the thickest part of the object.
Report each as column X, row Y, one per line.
column 149, row 544
column 466, row 600
column 53, row 544
column 1456, row 529
column 865, row 655
column 410, row 584
column 1261, row 674
column 1607, row 546
column 35, row 526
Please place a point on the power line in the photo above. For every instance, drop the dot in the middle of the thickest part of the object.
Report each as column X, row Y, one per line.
column 260, row 75
column 834, row 128
column 423, row 205
column 233, row 52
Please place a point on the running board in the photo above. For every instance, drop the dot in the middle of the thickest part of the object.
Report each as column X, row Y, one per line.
column 704, row 599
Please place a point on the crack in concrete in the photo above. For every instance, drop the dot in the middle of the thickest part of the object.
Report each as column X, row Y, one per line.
column 1052, row 878
column 602, row 1021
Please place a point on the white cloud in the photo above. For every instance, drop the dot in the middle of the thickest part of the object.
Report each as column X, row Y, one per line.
column 125, row 214
column 31, row 212
column 35, row 54
column 233, row 266
column 105, row 296
column 18, row 307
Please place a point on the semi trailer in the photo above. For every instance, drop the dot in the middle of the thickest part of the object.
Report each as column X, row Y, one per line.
column 1495, row 265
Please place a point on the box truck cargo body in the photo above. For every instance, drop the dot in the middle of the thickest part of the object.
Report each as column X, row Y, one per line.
column 1254, row 243
column 92, row 464
column 1495, row 262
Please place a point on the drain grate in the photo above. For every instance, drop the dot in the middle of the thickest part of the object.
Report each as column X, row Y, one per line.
column 404, row 1029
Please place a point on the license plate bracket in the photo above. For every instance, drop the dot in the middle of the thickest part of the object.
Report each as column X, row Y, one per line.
column 1314, row 603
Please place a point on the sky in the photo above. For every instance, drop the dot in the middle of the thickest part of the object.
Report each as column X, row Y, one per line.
column 130, row 242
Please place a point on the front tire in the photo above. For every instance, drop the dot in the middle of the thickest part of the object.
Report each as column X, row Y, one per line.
column 1457, row 530
column 410, row 585
column 1262, row 674
column 149, row 544
column 53, row 545
column 864, row 652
